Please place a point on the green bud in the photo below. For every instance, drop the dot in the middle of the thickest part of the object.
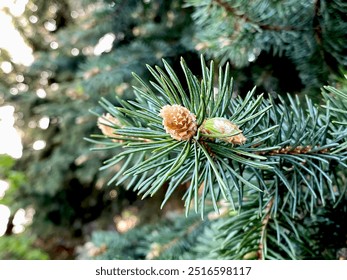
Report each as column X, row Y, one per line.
column 223, row 129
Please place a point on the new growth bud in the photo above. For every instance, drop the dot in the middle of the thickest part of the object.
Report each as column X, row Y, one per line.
column 223, row 129
column 105, row 124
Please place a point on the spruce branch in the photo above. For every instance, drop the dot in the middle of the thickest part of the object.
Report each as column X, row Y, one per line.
column 265, row 223
column 245, row 18
column 222, row 148
column 263, row 234
column 240, row 31
column 157, row 250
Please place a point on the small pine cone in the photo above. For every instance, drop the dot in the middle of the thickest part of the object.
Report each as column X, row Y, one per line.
column 179, row 122
column 222, row 126
column 105, row 122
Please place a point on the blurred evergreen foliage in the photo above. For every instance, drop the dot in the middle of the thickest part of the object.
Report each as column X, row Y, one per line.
column 23, row 245
column 311, row 34
column 86, row 50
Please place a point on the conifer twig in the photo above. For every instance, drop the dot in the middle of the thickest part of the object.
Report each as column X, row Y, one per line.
column 231, row 10
column 265, row 223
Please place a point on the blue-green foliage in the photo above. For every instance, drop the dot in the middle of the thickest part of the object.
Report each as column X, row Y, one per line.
column 233, row 236
column 288, row 151
column 280, row 175
column 311, row 33
column 289, row 175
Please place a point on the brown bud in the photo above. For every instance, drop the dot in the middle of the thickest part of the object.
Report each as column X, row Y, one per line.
column 179, row 122
column 105, row 124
